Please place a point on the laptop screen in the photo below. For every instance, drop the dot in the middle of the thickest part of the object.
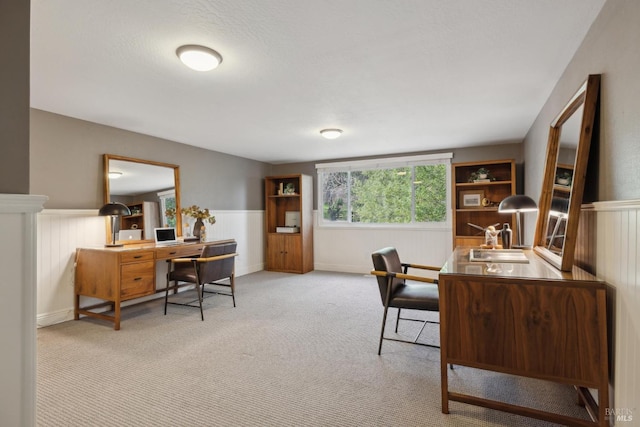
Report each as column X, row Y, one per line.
column 165, row 235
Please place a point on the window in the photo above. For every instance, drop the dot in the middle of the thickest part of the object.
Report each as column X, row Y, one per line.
column 167, row 201
column 394, row 191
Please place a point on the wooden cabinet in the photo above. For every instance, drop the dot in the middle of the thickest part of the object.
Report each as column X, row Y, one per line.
column 529, row 320
column 284, row 252
column 476, row 198
column 289, row 224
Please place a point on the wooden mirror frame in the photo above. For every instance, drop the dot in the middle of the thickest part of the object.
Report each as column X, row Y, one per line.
column 587, row 97
column 176, row 181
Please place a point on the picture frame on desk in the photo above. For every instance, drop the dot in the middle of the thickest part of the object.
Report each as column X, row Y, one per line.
column 471, row 199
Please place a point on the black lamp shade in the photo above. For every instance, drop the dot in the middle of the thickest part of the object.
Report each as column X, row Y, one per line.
column 517, row 203
column 111, row 209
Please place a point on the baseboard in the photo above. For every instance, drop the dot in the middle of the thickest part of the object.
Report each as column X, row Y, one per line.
column 49, row 319
column 342, row 268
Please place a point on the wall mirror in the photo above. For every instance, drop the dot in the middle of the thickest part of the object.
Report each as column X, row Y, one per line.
column 565, row 175
column 148, row 188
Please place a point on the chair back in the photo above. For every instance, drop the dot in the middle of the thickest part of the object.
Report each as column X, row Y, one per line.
column 217, row 270
column 387, row 260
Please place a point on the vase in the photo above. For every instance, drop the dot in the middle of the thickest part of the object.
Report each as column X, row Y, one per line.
column 506, row 235
column 197, row 228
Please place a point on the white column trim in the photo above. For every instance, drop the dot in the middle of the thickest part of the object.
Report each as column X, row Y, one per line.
column 26, row 207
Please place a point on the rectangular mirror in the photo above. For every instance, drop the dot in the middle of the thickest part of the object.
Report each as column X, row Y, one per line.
column 564, row 178
column 148, row 188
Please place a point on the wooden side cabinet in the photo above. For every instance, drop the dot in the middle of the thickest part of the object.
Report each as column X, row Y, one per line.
column 476, row 198
column 289, row 223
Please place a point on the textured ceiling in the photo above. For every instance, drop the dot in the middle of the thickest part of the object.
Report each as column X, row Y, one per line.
column 396, row 75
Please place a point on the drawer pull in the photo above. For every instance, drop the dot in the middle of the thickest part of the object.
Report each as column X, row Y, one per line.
column 137, row 256
column 138, row 278
column 172, row 253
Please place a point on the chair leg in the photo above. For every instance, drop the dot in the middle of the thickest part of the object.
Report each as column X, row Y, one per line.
column 384, row 320
column 166, row 295
column 200, row 291
column 398, row 320
column 233, row 289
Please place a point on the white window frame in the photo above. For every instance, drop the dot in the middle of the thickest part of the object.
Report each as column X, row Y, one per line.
column 163, row 196
column 386, row 163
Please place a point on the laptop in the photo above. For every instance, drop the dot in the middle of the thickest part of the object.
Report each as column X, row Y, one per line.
column 165, row 236
column 130, row 235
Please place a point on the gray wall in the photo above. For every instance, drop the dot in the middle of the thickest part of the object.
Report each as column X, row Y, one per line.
column 473, row 154
column 14, row 96
column 611, row 49
column 66, row 165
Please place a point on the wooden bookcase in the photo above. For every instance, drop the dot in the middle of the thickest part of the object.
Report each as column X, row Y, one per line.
column 144, row 216
column 476, row 201
column 290, row 252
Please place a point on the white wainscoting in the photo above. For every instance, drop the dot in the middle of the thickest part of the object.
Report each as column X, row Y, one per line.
column 61, row 231
column 349, row 250
column 616, row 240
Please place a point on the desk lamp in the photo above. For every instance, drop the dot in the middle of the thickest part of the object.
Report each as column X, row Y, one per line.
column 518, row 203
column 114, row 210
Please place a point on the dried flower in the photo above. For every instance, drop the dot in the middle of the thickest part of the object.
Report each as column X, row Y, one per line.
column 194, row 212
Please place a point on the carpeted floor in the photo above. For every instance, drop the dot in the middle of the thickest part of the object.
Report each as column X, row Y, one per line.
column 298, row 350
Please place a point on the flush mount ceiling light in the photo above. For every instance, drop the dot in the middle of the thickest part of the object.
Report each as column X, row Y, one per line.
column 114, row 175
column 331, row 133
column 199, row 58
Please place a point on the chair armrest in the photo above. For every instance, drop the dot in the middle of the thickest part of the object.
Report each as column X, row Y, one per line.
column 216, row 258
column 182, row 260
column 416, row 278
column 405, row 276
column 422, row 267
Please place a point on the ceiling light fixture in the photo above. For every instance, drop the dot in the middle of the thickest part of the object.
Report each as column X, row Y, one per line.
column 199, row 58
column 331, row 133
column 114, row 175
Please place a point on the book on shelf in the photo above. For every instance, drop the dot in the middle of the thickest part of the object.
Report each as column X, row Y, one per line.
column 287, row 229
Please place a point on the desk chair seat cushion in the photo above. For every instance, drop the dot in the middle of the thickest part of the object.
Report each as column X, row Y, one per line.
column 422, row 296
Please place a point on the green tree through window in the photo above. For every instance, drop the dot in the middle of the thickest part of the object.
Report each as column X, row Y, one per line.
column 395, row 195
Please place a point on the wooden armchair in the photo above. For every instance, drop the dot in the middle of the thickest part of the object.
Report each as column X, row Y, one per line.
column 216, row 263
column 396, row 291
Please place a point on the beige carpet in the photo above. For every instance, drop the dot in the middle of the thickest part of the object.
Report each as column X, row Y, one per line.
column 299, row 350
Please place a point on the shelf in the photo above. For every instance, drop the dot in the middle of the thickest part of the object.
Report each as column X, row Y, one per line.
column 481, row 184
column 562, row 188
column 282, row 196
column 503, row 171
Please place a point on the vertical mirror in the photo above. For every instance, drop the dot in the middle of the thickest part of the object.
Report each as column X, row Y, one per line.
column 564, row 178
column 148, row 188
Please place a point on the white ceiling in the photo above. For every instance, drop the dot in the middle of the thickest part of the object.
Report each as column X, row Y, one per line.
column 397, row 76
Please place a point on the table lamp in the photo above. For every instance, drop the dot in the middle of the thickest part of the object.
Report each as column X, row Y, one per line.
column 114, row 210
column 518, row 203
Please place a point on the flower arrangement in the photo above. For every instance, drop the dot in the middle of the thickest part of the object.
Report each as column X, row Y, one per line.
column 194, row 212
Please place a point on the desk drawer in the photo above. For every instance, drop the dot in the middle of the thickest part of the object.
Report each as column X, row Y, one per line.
column 136, row 256
column 178, row 252
column 137, row 279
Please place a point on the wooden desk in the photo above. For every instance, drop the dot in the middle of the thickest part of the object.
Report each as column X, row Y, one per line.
column 525, row 319
column 120, row 274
